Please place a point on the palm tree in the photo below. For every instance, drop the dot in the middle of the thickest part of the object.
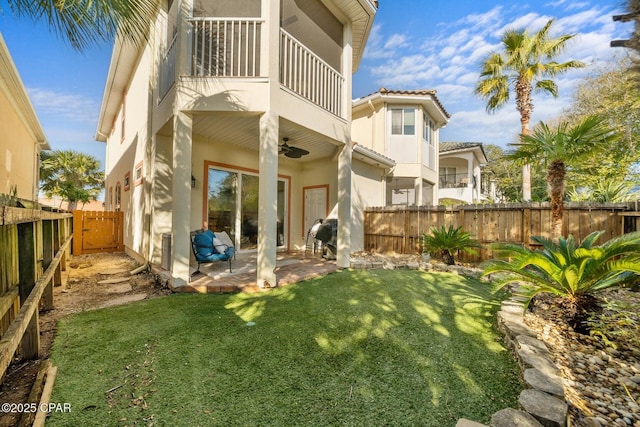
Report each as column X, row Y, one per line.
column 559, row 148
column 88, row 22
column 574, row 272
column 447, row 241
column 525, row 60
column 70, row 175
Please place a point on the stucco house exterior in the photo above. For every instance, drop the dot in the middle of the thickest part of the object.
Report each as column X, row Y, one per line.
column 231, row 101
column 403, row 126
column 460, row 172
column 21, row 135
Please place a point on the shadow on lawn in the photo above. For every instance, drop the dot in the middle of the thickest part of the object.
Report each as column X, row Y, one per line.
column 437, row 329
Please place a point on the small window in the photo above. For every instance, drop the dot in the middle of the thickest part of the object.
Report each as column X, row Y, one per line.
column 137, row 175
column 403, row 121
column 110, row 198
column 428, row 128
column 118, row 196
column 122, row 119
column 127, row 181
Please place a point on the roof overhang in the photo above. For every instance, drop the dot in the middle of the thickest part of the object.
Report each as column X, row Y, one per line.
column 361, row 14
column 371, row 157
column 123, row 61
column 477, row 149
column 11, row 84
column 428, row 101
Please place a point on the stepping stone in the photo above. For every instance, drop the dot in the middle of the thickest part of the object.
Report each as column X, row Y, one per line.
column 124, row 300
column 120, row 289
column 113, row 281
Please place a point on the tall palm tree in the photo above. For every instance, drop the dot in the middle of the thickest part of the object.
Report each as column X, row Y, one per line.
column 70, row 175
column 559, row 148
column 527, row 61
column 88, row 22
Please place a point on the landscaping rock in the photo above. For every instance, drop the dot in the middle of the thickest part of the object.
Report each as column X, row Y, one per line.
column 534, row 343
column 468, row 423
column 513, row 418
column 539, row 380
column 113, row 271
column 532, row 359
column 548, row 410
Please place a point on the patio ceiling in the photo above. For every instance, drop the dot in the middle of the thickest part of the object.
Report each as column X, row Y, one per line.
column 242, row 130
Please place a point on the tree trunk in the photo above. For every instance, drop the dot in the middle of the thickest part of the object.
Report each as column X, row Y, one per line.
column 523, row 104
column 555, row 179
column 447, row 258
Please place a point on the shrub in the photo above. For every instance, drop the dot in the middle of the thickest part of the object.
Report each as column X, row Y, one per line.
column 445, row 242
column 571, row 271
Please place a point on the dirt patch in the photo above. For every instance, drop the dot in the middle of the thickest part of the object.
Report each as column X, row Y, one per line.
column 90, row 282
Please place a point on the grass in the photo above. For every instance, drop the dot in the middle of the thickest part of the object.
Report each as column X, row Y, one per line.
column 352, row 348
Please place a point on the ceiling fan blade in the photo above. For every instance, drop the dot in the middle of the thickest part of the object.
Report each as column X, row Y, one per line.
column 298, row 152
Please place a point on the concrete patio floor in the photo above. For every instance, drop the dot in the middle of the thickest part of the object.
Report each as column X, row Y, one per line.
column 291, row 267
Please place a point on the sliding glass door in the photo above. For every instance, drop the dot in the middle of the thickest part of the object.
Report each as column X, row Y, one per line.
column 233, row 201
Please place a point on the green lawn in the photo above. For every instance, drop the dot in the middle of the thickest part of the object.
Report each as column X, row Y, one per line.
column 353, row 348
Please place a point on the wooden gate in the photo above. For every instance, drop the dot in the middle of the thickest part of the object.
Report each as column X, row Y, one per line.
column 95, row 232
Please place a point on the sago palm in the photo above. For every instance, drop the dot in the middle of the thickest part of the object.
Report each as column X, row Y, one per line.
column 572, row 271
column 89, row 22
column 560, row 148
column 447, row 241
column 526, row 63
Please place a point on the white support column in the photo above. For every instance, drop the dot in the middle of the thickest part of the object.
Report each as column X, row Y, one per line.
column 343, row 258
column 417, row 189
column 181, row 193
column 268, row 201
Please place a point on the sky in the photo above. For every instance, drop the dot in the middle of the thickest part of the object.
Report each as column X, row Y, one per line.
column 414, row 44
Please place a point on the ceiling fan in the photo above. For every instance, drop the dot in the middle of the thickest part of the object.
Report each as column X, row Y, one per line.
column 292, row 152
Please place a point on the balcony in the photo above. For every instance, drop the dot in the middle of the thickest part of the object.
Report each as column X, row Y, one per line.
column 458, row 180
column 230, row 47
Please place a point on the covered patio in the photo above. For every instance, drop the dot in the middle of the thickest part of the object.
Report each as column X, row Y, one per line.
column 291, row 267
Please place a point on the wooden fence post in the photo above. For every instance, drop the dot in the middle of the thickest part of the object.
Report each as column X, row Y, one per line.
column 526, row 227
column 77, row 232
column 30, row 344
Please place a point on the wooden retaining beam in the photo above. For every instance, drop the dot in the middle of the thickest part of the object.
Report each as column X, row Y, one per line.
column 24, row 330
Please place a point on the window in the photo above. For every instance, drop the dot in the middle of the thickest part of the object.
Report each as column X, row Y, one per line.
column 403, row 121
column 428, row 128
column 122, row 121
column 137, row 174
column 233, row 202
column 118, row 196
column 127, row 181
column 110, row 198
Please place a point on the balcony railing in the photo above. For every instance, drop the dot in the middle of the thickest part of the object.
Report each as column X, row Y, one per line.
column 168, row 69
column 226, row 47
column 306, row 74
column 459, row 180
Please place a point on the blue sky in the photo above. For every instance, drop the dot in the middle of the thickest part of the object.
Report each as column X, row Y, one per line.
column 414, row 44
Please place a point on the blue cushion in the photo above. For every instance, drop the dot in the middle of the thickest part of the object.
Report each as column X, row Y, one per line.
column 203, row 245
column 205, row 252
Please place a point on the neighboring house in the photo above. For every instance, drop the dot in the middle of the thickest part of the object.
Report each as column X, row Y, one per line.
column 460, row 177
column 403, row 126
column 21, row 135
column 57, row 203
column 230, row 102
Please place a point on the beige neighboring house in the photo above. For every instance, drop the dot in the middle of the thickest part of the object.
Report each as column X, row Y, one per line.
column 460, row 178
column 404, row 127
column 236, row 116
column 57, row 203
column 21, row 135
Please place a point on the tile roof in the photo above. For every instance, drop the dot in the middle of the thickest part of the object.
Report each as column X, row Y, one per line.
column 418, row 92
column 454, row 146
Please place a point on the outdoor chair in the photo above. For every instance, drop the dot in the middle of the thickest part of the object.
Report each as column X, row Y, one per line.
column 209, row 247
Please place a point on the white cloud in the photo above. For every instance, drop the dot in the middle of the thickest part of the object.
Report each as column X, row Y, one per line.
column 68, row 106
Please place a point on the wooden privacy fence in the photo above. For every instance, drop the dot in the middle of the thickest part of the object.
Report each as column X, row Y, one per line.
column 98, row 231
column 400, row 228
column 34, row 246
